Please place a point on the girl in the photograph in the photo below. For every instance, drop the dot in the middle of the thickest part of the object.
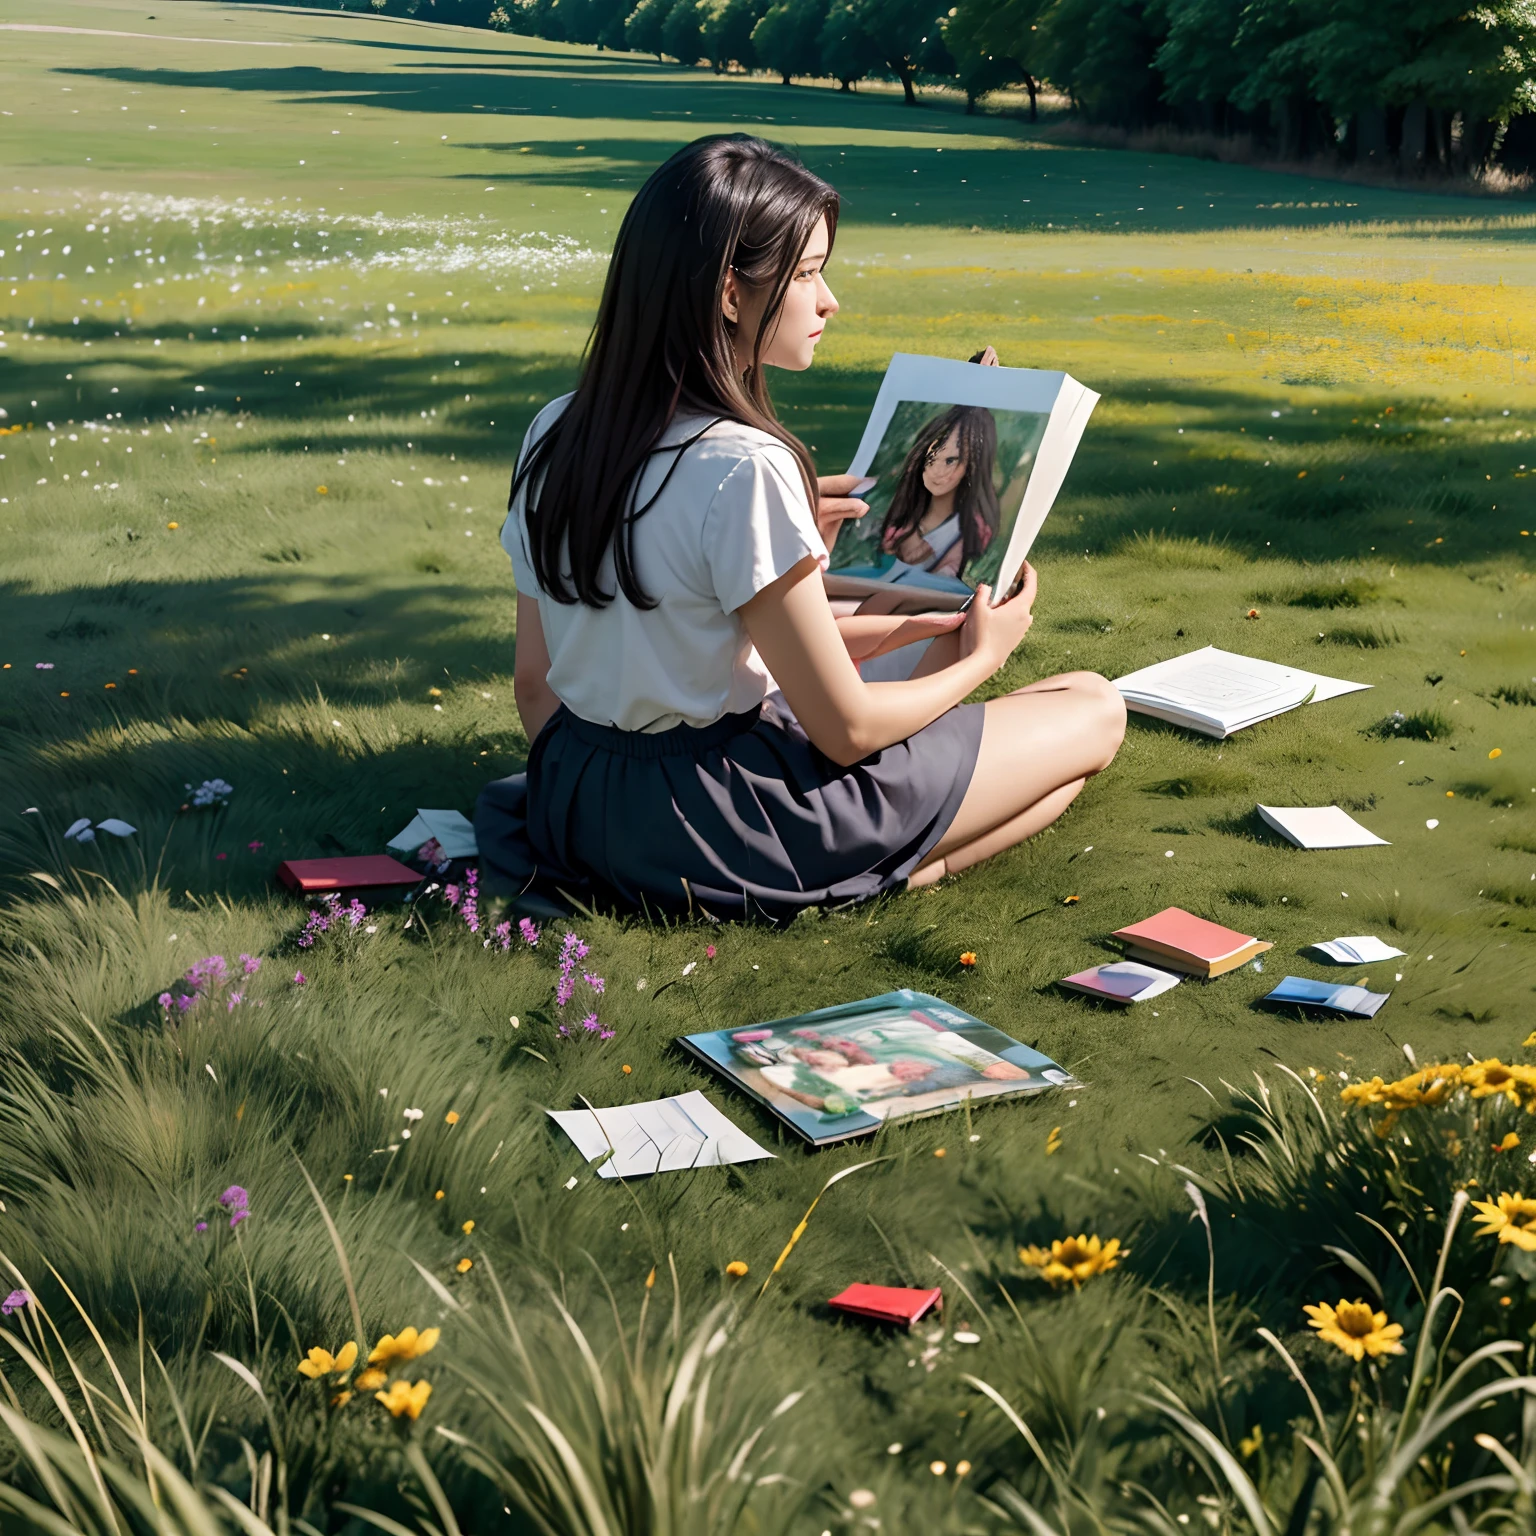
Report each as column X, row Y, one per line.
column 700, row 734
column 944, row 512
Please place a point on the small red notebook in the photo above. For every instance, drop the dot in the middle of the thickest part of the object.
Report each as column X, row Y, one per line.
column 345, row 874
column 887, row 1303
column 1174, row 929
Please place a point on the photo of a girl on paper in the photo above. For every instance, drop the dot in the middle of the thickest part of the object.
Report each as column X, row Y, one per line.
column 945, row 485
column 945, row 511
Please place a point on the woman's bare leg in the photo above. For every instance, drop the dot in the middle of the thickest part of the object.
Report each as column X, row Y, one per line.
column 1039, row 745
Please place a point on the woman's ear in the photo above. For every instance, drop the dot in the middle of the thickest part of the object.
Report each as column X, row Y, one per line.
column 730, row 305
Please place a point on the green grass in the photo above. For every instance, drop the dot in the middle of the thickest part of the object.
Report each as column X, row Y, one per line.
column 1317, row 403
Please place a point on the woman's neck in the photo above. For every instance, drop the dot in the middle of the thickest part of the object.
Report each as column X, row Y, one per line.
column 940, row 510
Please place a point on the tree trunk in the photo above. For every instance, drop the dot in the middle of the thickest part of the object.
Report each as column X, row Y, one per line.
column 908, row 95
column 1032, row 86
column 784, row 77
column 970, row 103
column 845, row 83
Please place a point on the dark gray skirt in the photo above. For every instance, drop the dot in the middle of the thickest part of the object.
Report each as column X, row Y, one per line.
column 740, row 818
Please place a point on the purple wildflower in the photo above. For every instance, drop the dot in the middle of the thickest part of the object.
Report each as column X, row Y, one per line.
column 235, row 1198
column 451, row 894
column 595, row 982
column 255, row 844
column 237, row 1218
column 185, row 1001
column 530, row 933
column 251, row 964
column 355, row 912
column 565, row 989
column 45, row 666
column 235, row 999
column 590, row 1022
column 207, row 972
column 164, row 999
column 605, row 1034
column 14, row 1303
column 299, row 979
column 200, row 1227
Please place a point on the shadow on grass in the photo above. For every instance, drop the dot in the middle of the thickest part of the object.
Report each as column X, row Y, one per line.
column 993, row 172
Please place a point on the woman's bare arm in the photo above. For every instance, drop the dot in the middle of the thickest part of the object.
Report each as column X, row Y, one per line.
column 792, row 627
column 536, row 702
column 867, row 635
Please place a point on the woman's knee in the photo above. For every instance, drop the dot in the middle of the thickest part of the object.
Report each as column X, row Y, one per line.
column 1103, row 713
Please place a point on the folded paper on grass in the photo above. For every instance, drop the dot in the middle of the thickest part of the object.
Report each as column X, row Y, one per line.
column 1218, row 692
column 1320, row 826
column 661, row 1136
column 1123, row 982
column 453, row 832
column 1366, row 949
column 1325, row 997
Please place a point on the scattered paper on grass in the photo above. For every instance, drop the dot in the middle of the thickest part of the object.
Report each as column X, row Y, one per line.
column 82, row 831
column 1302, row 992
column 1323, row 826
column 453, row 831
column 657, row 1137
column 1366, row 949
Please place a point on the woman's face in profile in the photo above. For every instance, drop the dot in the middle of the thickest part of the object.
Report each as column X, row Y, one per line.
column 946, row 466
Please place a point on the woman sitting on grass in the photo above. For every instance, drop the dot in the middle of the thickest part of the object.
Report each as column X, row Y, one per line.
column 700, row 732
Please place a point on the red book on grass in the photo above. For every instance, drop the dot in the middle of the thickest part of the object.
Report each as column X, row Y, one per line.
column 887, row 1303
column 1191, row 942
column 345, row 874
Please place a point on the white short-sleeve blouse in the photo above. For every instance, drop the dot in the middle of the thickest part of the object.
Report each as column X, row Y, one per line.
column 733, row 517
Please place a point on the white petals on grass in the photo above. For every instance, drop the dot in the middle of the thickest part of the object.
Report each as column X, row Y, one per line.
column 444, row 245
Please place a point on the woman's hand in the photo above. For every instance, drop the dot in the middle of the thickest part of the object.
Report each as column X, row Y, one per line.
column 834, row 506
column 987, row 357
column 995, row 633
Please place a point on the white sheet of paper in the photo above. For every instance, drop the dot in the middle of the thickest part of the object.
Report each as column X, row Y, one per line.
column 1322, row 826
column 453, row 831
column 1366, row 949
column 657, row 1137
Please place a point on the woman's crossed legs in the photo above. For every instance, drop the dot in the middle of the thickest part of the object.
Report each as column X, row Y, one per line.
column 1039, row 746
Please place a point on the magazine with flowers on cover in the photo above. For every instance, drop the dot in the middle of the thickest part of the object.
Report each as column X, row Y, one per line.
column 841, row 1072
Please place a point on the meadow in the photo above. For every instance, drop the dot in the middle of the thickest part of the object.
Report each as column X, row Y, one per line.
column 263, row 376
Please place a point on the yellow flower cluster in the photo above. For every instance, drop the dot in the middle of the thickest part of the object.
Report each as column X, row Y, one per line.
column 1356, row 1329
column 1072, row 1260
column 1432, row 1086
column 392, row 1348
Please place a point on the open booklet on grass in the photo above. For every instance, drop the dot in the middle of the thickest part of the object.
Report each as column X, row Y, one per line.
column 1217, row 692
column 961, row 464
column 840, row 1072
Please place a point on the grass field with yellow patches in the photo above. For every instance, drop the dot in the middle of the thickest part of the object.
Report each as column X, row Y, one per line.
column 279, row 292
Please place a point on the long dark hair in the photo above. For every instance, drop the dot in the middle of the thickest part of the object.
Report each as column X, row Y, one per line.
column 661, row 345
column 975, row 496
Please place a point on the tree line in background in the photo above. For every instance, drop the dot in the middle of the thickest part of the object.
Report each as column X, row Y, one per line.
column 1434, row 84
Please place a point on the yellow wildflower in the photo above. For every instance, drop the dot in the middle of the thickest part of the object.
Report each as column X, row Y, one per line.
column 341, row 1399
column 402, row 1397
column 321, row 1362
column 736, row 1268
column 1513, row 1217
column 1356, row 1329
column 1486, row 1078
column 1365, row 1094
column 1053, row 1141
column 464, row 1266
column 372, row 1379
column 1073, row 1259
column 406, row 1345
column 1250, row 1445
column 1507, row 1143
column 452, row 1117
column 467, row 1228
